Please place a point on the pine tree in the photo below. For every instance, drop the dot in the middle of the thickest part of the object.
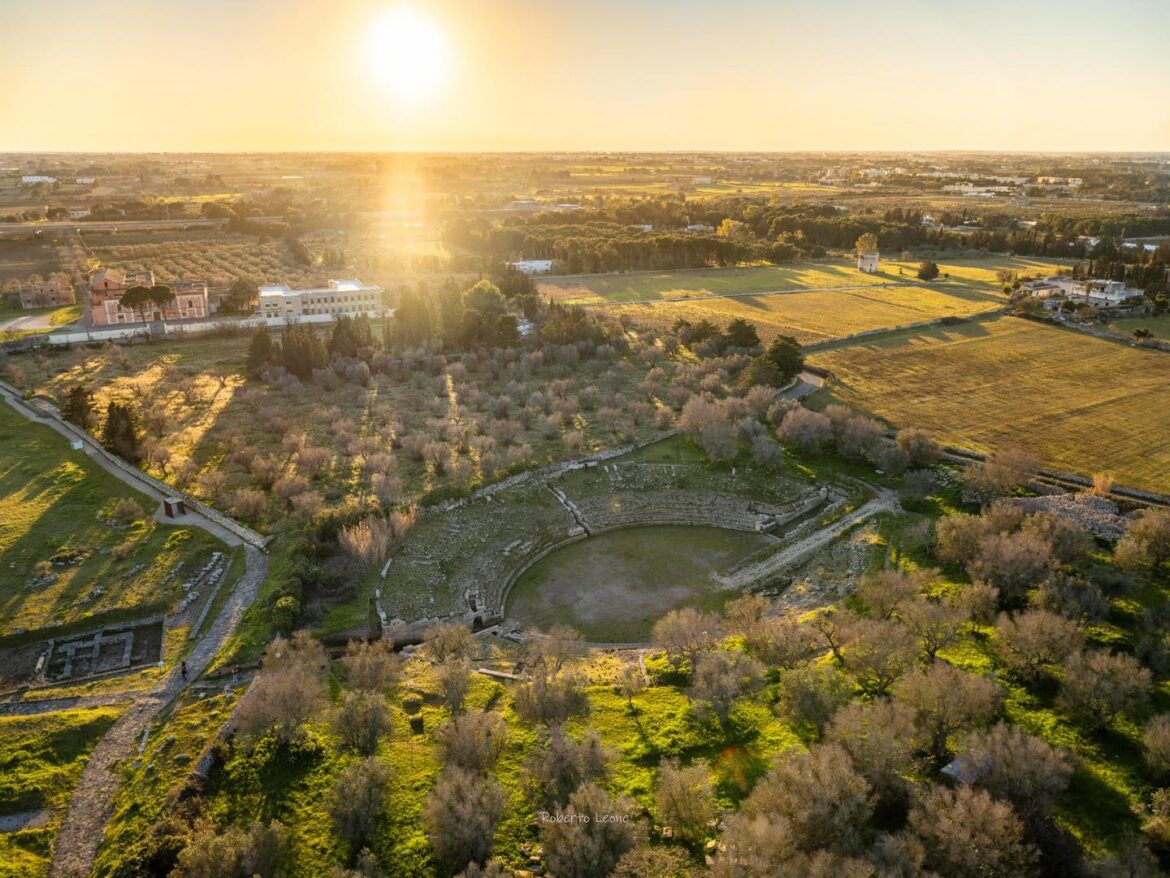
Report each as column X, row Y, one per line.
column 120, row 435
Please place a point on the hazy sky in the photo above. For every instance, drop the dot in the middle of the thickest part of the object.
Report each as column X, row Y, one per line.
column 584, row 74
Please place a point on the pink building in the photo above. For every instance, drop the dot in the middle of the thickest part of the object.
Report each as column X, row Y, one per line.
column 108, row 285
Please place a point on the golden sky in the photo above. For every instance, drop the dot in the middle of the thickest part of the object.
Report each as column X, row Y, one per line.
column 564, row 75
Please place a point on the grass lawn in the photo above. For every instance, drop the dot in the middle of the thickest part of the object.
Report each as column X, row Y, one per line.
column 1083, row 404
column 1158, row 326
column 55, row 500
column 41, row 758
column 614, row 586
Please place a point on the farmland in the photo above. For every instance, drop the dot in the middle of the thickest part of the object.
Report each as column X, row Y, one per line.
column 216, row 256
column 817, row 315
column 1083, row 404
column 978, row 275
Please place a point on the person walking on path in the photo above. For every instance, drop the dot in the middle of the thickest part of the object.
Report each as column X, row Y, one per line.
column 183, row 670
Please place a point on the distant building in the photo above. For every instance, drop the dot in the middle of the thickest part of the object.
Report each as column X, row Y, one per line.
column 108, row 285
column 47, row 294
column 533, row 266
column 86, row 181
column 349, row 298
column 78, row 212
column 700, row 229
column 33, row 179
column 643, row 227
column 1054, row 291
column 867, row 262
column 701, row 181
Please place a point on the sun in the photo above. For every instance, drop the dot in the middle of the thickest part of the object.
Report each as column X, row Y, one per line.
column 409, row 55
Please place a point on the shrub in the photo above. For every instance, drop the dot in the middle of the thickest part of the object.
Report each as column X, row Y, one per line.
column 686, row 799
column 576, row 848
column 461, row 814
column 473, row 741
column 361, row 720
column 359, row 799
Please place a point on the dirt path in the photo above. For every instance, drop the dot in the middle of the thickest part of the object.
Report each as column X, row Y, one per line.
column 93, row 798
column 768, row 567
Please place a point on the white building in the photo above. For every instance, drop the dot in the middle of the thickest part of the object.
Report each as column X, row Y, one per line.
column 867, row 262
column 700, row 228
column 350, row 298
column 33, row 179
column 1098, row 293
column 78, row 212
column 533, row 266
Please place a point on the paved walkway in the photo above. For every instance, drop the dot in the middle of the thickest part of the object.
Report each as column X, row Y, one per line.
column 93, row 798
column 193, row 518
column 766, row 568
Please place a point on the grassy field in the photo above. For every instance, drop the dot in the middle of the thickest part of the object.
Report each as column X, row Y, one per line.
column 41, row 758
column 978, row 275
column 817, row 315
column 1158, row 326
column 613, row 587
column 55, row 501
column 1083, row 404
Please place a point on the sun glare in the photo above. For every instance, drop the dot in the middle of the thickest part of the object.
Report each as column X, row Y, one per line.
column 408, row 55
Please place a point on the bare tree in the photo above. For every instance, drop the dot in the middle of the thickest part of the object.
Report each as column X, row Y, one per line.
column 551, row 700
column 879, row 737
column 473, row 740
column 1156, row 739
column 461, row 814
column 824, row 801
column 1034, row 643
column 920, row 448
column 372, row 666
column 1146, row 542
column 885, row 591
column 1013, row 765
column 685, row 633
column 1013, row 563
column 656, row 862
column 287, row 692
column 946, row 700
column 968, row 834
column 936, row 624
column 811, row 694
column 454, row 677
column 361, row 720
column 878, row 653
column 1002, row 473
column 1097, row 685
column 549, row 652
column 558, row 768
column 358, row 802
column 808, row 430
column 577, row 848
column 448, row 640
column 686, row 799
column 720, row 678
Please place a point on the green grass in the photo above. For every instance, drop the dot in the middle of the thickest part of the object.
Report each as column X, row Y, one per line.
column 1158, row 326
column 1082, row 404
column 54, row 499
column 41, row 758
column 614, row 586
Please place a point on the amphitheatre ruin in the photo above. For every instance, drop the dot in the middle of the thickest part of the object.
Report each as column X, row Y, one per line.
column 611, row 543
